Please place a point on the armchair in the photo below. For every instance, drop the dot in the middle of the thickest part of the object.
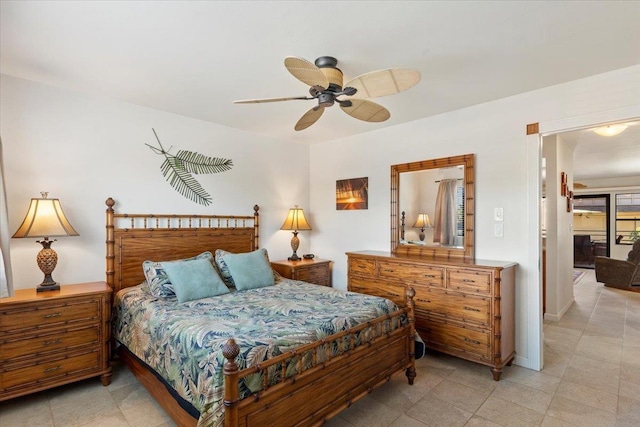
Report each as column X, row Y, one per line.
column 620, row 274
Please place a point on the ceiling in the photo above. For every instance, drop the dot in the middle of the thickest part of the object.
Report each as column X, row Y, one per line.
column 194, row 58
column 601, row 157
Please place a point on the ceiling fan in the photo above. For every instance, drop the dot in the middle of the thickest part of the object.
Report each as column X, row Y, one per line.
column 326, row 85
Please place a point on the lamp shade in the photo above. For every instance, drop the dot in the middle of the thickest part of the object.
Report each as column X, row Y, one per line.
column 45, row 218
column 423, row 221
column 295, row 220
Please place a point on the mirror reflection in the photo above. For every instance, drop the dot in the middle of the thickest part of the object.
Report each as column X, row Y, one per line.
column 432, row 202
column 432, row 207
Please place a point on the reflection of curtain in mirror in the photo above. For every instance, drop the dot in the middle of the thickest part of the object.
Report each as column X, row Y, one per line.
column 6, row 288
column 446, row 214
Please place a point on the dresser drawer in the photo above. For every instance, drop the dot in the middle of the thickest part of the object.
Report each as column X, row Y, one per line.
column 452, row 338
column 362, row 266
column 468, row 280
column 395, row 293
column 454, row 305
column 50, row 370
column 432, row 276
column 41, row 343
column 42, row 315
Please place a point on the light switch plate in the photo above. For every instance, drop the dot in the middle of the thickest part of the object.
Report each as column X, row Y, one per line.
column 498, row 229
column 498, row 214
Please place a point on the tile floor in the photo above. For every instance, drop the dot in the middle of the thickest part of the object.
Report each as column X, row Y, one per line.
column 591, row 378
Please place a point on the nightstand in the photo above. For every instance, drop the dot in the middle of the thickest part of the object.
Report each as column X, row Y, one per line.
column 52, row 338
column 316, row 271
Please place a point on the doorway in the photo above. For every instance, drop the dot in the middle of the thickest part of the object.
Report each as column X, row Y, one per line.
column 591, row 226
column 535, row 133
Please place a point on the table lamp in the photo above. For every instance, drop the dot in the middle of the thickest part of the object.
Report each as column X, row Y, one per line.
column 422, row 222
column 295, row 221
column 45, row 218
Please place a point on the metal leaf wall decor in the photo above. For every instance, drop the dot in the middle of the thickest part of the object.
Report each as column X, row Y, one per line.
column 178, row 170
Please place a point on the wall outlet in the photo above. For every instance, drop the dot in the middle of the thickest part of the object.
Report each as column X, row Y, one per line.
column 498, row 229
column 498, row 214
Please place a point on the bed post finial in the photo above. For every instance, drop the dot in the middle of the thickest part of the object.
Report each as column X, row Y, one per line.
column 256, row 227
column 110, row 242
column 230, row 351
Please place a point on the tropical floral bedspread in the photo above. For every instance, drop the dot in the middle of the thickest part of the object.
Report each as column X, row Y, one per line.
column 183, row 341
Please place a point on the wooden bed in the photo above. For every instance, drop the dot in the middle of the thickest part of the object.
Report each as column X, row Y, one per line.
column 304, row 399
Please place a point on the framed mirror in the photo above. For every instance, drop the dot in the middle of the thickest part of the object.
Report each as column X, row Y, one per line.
column 432, row 207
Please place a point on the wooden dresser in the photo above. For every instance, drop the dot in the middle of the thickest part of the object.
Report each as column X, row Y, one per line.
column 317, row 271
column 463, row 308
column 53, row 338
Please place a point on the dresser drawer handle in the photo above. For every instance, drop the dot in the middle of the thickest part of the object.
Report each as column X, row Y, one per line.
column 392, row 294
column 468, row 281
column 471, row 341
column 424, row 300
column 471, row 308
column 388, row 270
column 47, row 343
column 55, row 368
column 50, row 315
column 431, row 276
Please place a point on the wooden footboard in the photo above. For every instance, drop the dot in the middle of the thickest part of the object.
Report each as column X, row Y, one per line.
column 312, row 396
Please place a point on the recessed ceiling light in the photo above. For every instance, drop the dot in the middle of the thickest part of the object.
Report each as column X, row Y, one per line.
column 610, row 130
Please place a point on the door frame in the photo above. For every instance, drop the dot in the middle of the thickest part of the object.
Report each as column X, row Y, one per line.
column 533, row 150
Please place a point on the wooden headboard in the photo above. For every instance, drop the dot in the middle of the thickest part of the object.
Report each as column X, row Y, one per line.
column 134, row 238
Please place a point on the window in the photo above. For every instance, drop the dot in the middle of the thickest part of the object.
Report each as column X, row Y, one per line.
column 627, row 217
column 460, row 203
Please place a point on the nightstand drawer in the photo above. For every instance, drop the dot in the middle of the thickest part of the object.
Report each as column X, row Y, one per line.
column 30, row 345
column 316, row 274
column 48, row 314
column 50, row 370
column 470, row 280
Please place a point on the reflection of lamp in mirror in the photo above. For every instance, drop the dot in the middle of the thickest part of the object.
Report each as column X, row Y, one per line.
column 45, row 218
column 295, row 221
column 422, row 222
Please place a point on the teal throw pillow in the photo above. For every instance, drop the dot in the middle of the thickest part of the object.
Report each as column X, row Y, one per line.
column 159, row 283
column 220, row 257
column 250, row 270
column 194, row 279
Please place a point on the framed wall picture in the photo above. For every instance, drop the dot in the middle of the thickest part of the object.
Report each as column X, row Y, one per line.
column 563, row 184
column 352, row 194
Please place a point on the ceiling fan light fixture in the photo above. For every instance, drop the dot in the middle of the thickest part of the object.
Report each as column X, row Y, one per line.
column 610, row 130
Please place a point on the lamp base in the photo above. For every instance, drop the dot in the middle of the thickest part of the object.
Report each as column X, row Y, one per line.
column 45, row 288
column 295, row 244
column 47, row 260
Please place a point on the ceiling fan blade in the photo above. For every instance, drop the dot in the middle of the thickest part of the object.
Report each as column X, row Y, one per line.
column 306, row 71
column 384, row 82
column 261, row 100
column 366, row 110
column 309, row 118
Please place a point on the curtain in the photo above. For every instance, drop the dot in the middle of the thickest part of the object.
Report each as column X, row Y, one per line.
column 6, row 284
column 446, row 215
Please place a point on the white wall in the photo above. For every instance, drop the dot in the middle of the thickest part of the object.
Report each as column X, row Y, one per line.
column 495, row 132
column 83, row 149
column 559, row 245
